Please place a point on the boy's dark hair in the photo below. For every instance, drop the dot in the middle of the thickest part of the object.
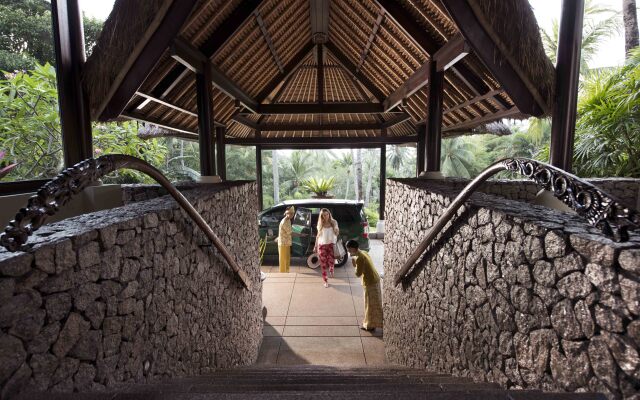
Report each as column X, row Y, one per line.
column 352, row 244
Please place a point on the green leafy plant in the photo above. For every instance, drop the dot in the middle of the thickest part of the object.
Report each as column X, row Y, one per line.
column 319, row 186
column 4, row 168
column 372, row 216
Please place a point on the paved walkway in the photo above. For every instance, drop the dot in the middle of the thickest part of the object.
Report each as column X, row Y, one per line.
column 309, row 324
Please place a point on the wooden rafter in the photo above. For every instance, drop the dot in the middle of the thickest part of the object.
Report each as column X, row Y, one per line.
column 492, row 56
column 320, row 72
column 167, row 104
column 322, row 141
column 216, row 40
column 372, row 36
column 316, row 108
column 267, row 38
column 318, row 126
column 513, row 111
column 407, row 23
column 174, row 17
column 194, row 60
column 347, row 65
column 289, row 69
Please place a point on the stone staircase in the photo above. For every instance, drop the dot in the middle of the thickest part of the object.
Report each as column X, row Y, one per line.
column 315, row 382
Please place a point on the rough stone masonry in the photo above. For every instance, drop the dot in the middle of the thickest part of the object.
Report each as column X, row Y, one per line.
column 131, row 294
column 511, row 293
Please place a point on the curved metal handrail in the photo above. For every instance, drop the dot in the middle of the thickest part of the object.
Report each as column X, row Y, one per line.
column 58, row 191
column 597, row 207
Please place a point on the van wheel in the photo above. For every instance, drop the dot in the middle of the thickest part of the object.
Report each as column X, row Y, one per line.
column 343, row 260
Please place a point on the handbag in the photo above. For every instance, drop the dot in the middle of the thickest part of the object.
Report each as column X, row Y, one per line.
column 338, row 249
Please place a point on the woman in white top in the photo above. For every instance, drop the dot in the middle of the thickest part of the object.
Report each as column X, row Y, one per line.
column 327, row 236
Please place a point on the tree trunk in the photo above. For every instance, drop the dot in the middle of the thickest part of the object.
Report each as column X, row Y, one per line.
column 346, row 191
column 358, row 174
column 276, row 177
column 367, row 194
column 630, row 18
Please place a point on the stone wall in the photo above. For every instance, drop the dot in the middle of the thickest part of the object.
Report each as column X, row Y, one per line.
column 132, row 294
column 627, row 190
column 514, row 293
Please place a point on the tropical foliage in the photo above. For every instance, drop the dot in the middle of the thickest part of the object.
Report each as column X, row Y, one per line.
column 319, row 186
column 26, row 36
column 608, row 128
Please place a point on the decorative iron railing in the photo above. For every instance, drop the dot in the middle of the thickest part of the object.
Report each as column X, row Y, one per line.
column 60, row 190
column 597, row 207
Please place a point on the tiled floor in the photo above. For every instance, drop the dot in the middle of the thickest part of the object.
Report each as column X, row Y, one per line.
column 307, row 323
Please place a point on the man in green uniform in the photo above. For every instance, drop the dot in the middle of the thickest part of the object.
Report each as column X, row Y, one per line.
column 371, row 284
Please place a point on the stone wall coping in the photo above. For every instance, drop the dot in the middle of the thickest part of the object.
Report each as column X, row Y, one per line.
column 87, row 224
column 541, row 216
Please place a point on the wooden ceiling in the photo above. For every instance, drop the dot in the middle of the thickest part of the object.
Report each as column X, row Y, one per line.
column 318, row 68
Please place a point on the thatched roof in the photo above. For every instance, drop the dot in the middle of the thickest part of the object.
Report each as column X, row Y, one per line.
column 266, row 49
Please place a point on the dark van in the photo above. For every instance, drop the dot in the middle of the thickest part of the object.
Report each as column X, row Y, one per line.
column 349, row 214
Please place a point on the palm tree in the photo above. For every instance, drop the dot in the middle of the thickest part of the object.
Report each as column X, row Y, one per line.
column 457, row 158
column 344, row 161
column 276, row 177
column 630, row 20
column 595, row 30
column 298, row 168
column 358, row 175
column 396, row 157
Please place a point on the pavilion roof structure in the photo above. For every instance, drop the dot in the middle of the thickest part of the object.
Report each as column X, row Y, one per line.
column 289, row 68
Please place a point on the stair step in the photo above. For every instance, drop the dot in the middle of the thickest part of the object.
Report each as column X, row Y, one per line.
column 380, row 395
column 317, row 380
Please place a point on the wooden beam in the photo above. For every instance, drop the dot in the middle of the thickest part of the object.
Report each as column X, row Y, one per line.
column 192, row 137
column 145, row 118
column 567, row 81
column 319, row 20
column 491, row 55
column 372, row 36
column 375, row 141
column 320, row 72
column 245, row 121
column 288, row 69
column 193, row 59
column 259, row 171
column 445, row 57
column 473, row 101
column 204, row 92
column 455, row 50
column 315, row 108
column 434, row 121
column 408, row 24
column 160, row 39
column 267, row 38
column 221, row 154
column 75, row 119
column 348, row 65
column 383, row 180
column 166, row 104
column 420, row 148
column 216, row 39
column 513, row 111
column 395, row 120
column 415, row 82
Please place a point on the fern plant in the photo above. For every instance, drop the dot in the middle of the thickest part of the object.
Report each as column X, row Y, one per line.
column 319, row 186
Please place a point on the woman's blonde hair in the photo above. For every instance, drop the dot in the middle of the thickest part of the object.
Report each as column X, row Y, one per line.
column 334, row 223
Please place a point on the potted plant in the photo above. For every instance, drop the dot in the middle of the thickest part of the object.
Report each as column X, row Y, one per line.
column 319, row 187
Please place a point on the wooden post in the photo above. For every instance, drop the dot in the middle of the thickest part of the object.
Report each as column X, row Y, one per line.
column 75, row 118
column 434, row 119
column 221, row 156
column 420, row 149
column 383, row 177
column 567, row 73
column 259, row 171
column 204, row 89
